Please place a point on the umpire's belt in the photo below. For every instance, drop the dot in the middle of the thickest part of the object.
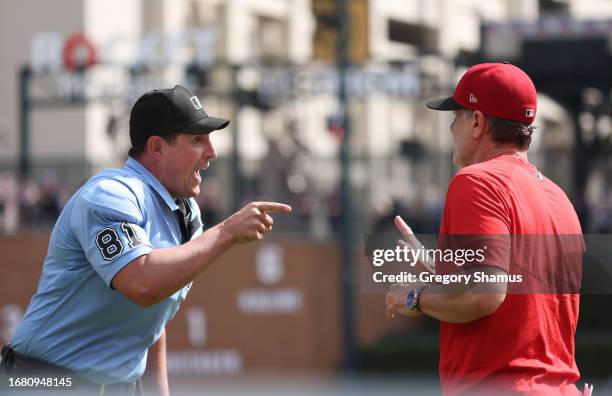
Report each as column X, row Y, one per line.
column 14, row 363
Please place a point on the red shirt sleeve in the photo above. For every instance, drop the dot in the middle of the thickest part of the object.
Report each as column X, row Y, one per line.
column 476, row 217
column 475, row 205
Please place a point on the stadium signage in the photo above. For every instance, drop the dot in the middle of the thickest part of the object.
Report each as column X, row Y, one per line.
column 269, row 269
column 361, row 82
column 52, row 52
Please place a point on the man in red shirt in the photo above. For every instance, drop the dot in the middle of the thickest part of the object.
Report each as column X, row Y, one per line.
column 513, row 336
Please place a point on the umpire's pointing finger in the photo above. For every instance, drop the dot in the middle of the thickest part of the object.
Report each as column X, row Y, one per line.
column 273, row 207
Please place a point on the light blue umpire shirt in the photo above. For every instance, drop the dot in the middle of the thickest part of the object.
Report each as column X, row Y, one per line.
column 76, row 319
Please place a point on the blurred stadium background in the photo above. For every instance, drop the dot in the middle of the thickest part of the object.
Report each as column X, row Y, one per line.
column 329, row 120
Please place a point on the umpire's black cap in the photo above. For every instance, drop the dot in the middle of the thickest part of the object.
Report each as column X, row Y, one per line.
column 166, row 111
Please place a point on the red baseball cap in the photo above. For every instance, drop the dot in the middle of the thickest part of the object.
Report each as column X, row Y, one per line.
column 499, row 90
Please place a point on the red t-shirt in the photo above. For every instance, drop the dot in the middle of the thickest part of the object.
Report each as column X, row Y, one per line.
column 526, row 346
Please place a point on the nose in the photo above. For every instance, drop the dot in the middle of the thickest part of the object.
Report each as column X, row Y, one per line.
column 209, row 152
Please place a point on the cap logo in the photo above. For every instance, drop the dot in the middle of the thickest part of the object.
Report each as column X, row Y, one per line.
column 196, row 102
column 473, row 99
column 529, row 113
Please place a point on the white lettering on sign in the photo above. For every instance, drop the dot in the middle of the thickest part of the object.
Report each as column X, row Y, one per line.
column 152, row 50
column 83, row 86
column 361, row 82
column 196, row 326
column 46, row 52
column 269, row 266
column 214, row 362
column 265, row 302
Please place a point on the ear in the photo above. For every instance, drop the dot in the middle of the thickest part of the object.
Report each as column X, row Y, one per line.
column 155, row 146
column 479, row 125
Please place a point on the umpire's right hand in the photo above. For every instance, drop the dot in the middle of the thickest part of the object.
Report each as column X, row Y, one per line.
column 252, row 222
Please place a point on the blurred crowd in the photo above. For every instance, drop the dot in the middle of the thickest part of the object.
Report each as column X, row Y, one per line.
column 597, row 217
column 26, row 204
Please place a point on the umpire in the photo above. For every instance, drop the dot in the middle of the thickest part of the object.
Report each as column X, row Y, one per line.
column 124, row 252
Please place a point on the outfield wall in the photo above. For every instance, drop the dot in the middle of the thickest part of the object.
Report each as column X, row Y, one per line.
column 264, row 306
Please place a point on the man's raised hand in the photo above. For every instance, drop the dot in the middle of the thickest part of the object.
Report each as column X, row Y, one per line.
column 253, row 221
column 412, row 243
